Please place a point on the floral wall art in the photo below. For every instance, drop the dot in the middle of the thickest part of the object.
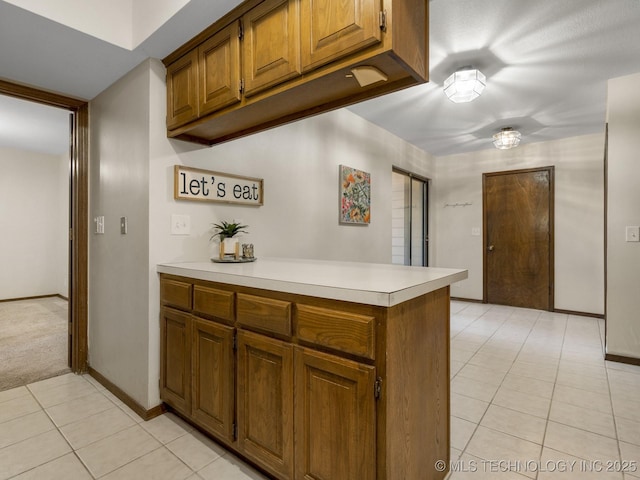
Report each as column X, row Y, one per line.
column 355, row 196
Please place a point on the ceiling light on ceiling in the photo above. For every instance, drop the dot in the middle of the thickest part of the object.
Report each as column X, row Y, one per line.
column 507, row 138
column 464, row 85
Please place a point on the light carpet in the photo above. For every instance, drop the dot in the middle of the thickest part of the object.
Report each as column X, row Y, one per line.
column 33, row 340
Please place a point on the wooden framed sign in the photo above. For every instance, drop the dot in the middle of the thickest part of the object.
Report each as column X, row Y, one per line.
column 204, row 185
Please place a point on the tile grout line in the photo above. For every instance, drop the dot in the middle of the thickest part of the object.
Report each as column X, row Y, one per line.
column 57, row 428
column 464, row 450
column 603, row 343
column 507, row 373
column 555, row 383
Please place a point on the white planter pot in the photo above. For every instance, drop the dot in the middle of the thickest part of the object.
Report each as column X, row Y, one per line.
column 230, row 245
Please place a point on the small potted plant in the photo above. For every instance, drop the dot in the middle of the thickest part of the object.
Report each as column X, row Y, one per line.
column 226, row 231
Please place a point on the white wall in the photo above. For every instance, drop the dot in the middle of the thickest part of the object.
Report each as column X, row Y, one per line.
column 109, row 21
column 299, row 164
column 118, row 264
column 34, row 203
column 579, row 215
column 62, row 222
column 399, row 212
column 149, row 15
column 623, row 209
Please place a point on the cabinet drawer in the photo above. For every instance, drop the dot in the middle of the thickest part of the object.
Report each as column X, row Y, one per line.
column 343, row 331
column 214, row 302
column 176, row 294
column 264, row 314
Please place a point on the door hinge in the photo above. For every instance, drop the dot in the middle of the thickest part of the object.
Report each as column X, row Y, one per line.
column 241, row 88
column 71, row 234
column 240, row 30
column 234, row 431
column 377, row 388
column 383, row 20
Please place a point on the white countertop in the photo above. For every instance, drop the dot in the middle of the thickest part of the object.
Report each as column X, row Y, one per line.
column 369, row 283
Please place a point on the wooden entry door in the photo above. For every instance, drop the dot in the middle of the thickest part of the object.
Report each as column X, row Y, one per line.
column 518, row 238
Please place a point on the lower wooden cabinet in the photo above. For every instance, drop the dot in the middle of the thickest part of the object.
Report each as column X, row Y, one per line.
column 265, row 402
column 310, row 389
column 213, row 382
column 175, row 352
column 335, row 417
column 246, row 398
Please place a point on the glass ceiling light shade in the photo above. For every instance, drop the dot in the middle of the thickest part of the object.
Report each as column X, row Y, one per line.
column 507, row 138
column 465, row 85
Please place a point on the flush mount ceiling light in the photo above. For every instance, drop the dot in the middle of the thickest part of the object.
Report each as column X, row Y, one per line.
column 464, row 85
column 507, row 138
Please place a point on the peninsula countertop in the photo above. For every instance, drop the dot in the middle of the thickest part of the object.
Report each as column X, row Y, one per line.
column 377, row 284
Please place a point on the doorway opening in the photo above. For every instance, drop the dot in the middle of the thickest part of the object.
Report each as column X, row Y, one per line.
column 518, row 213
column 409, row 223
column 78, row 213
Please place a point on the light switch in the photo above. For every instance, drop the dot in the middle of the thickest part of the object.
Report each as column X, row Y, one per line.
column 99, row 221
column 633, row 234
column 180, row 224
column 124, row 225
column 475, row 232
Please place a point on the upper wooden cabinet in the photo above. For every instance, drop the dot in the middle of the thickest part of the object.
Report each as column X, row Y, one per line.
column 182, row 90
column 271, row 52
column 335, row 28
column 269, row 62
column 219, row 70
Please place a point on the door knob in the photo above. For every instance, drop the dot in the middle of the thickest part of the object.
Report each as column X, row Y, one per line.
column 491, row 247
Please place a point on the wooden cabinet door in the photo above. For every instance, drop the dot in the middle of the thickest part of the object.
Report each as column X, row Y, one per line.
column 219, row 70
column 271, row 46
column 175, row 355
column 335, row 417
column 213, row 385
column 331, row 29
column 265, row 402
column 182, row 90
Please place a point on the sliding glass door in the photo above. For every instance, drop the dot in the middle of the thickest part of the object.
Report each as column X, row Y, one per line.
column 410, row 233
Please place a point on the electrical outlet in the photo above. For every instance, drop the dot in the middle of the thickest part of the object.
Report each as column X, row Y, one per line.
column 180, row 224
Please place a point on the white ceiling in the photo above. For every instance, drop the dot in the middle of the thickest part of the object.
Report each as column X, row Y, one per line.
column 546, row 61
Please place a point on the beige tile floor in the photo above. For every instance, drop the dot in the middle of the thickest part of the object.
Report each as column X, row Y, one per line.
column 531, row 398
column 69, row 427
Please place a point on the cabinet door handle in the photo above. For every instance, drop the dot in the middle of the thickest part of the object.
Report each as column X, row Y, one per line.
column 491, row 248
